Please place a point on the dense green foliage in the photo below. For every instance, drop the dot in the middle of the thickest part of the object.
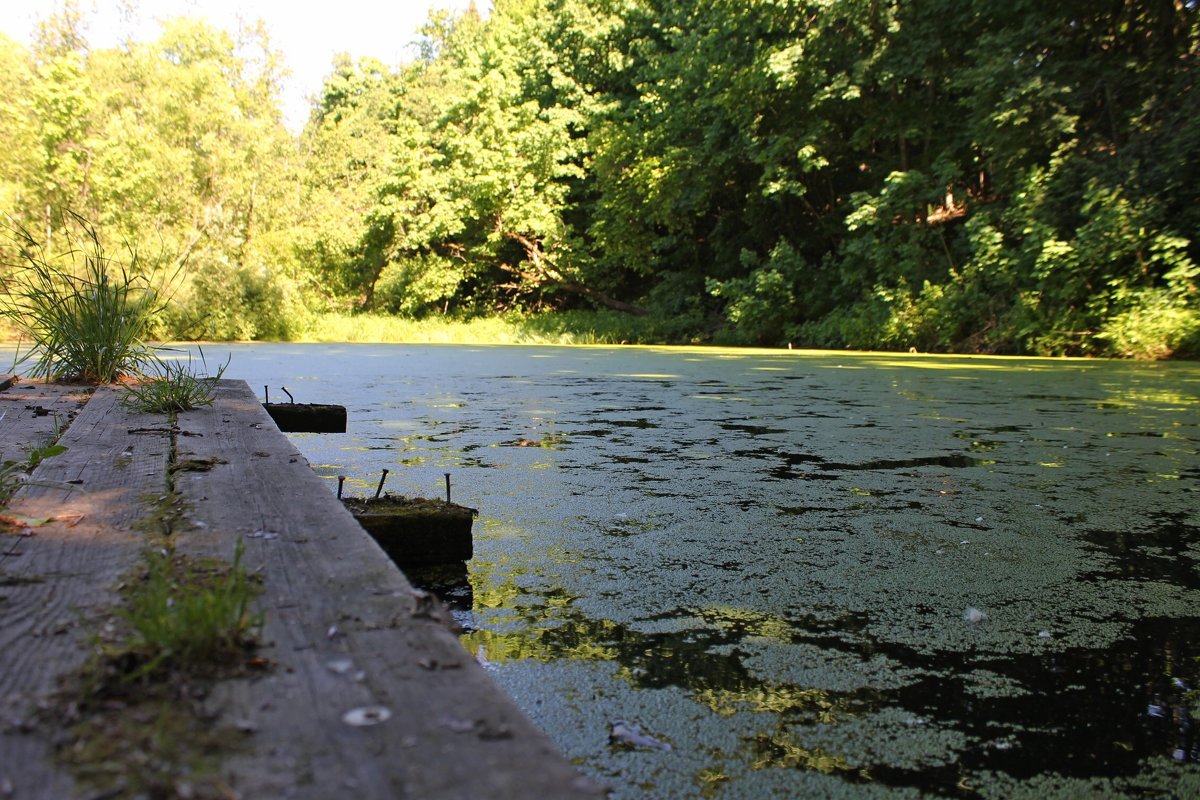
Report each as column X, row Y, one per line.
column 934, row 174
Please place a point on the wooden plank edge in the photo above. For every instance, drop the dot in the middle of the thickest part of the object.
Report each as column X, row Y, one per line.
column 345, row 630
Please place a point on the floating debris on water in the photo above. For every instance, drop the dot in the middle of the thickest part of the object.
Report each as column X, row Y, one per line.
column 630, row 734
column 973, row 614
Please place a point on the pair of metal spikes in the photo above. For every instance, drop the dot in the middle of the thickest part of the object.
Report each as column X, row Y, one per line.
column 382, row 478
column 267, row 394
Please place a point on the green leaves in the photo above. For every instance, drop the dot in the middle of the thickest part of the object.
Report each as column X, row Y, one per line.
column 947, row 174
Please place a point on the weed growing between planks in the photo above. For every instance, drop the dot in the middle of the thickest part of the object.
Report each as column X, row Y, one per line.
column 172, row 387
column 139, row 723
column 189, row 616
column 139, row 726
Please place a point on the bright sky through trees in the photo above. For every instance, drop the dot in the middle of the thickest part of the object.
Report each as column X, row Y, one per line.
column 308, row 34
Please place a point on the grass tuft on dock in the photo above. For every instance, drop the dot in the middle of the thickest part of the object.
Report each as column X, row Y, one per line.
column 169, row 387
column 187, row 616
column 139, row 726
column 86, row 316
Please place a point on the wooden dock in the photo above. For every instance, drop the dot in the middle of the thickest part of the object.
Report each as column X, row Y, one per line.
column 343, row 629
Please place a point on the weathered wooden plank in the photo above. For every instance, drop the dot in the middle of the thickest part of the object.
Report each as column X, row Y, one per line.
column 64, row 571
column 344, row 630
column 32, row 411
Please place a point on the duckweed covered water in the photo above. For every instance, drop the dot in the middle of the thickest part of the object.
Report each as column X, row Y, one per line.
column 808, row 574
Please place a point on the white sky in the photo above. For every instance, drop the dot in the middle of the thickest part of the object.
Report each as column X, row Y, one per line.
column 308, row 32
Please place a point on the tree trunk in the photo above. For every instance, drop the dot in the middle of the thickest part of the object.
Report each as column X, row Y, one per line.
column 546, row 273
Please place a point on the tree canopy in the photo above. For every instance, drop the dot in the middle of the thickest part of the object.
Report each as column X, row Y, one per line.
column 968, row 176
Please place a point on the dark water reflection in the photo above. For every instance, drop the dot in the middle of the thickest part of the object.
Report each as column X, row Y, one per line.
column 812, row 575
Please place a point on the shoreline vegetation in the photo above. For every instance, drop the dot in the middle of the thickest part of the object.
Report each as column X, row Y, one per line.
column 947, row 176
column 550, row 329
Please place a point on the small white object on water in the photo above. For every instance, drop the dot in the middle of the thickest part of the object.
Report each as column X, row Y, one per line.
column 482, row 659
column 366, row 716
column 979, row 519
column 973, row 614
column 1044, row 634
column 629, row 733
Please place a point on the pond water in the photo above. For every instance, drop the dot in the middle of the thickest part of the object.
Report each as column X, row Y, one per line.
column 806, row 574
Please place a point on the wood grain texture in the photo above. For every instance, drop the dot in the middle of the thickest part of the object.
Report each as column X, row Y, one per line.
column 29, row 412
column 59, row 580
column 344, row 630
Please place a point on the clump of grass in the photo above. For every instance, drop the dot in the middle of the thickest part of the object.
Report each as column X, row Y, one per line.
column 86, row 316
column 188, row 617
column 172, row 387
column 140, row 728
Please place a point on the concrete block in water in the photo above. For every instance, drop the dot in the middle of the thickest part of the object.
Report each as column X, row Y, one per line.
column 416, row 530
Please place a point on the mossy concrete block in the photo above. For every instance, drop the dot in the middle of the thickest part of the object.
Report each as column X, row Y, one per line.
column 307, row 417
column 416, row 530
